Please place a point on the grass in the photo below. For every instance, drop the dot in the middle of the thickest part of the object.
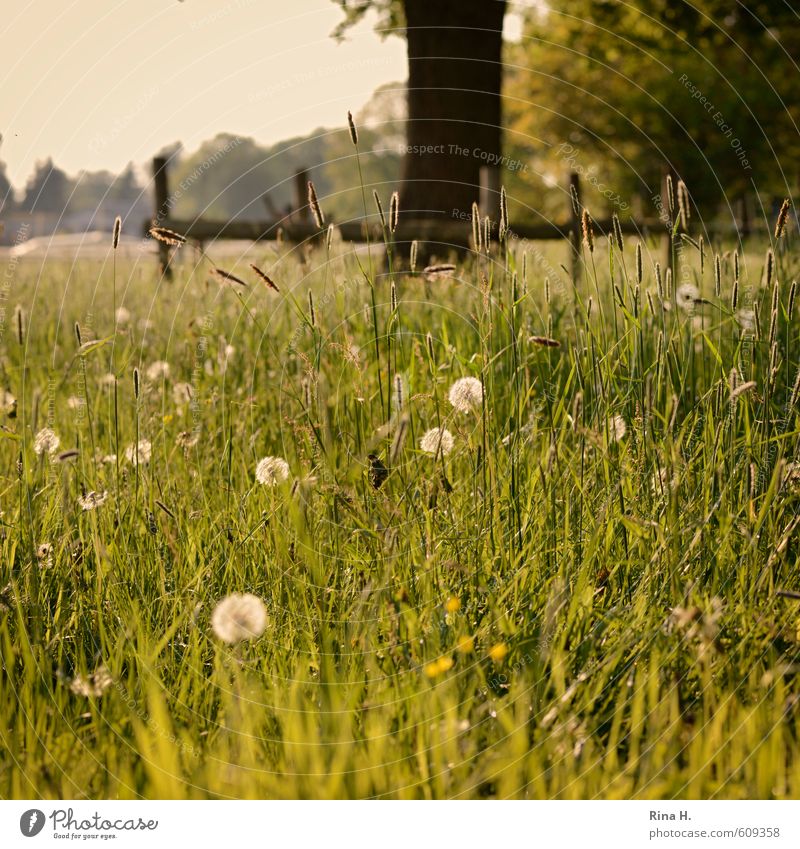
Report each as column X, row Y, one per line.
column 548, row 611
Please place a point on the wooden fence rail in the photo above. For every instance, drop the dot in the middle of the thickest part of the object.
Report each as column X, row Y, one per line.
column 298, row 225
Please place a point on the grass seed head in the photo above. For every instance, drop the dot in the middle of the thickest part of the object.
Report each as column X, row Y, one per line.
column 313, row 202
column 352, row 126
column 783, row 215
column 264, row 277
column 167, row 237
column 588, row 231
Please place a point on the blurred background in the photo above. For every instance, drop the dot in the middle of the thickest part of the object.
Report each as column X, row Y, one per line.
column 238, row 96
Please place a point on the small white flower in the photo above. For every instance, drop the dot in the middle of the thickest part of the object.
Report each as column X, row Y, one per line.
column 616, row 428
column 8, row 403
column 158, row 370
column 686, row 295
column 437, row 440
column 747, row 320
column 272, row 470
column 123, row 316
column 94, row 686
column 466, row 394
column 139, row 454
column 46, row 442
column 75, row 402
column 182, row 393
column 108, row 379
column 239, row 617
column 92, row 500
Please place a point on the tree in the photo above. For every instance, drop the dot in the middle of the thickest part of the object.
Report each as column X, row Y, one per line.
column 6, row 190
column 706, row 89
column 454, row 76
column 48, row 189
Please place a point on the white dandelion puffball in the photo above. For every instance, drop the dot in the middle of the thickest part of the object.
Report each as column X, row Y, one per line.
column 272, row 470
column 239, row 617
column 616, row 428
column 437, row 440
column 8, row 403
column 93, row 686
column 686, row 295
column 139, row 454
column 158, row 370
column 466, row 394
column 746, row 319
column 182, row 393
column 46, row 442
column 123, row 316
column 92, row 500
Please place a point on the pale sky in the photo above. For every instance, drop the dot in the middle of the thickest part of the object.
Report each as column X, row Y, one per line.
column 98, row 83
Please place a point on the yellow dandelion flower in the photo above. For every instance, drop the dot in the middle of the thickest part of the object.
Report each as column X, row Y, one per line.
column 438, row 667
column 452, row 604
column 498, row 652
column 465, row 644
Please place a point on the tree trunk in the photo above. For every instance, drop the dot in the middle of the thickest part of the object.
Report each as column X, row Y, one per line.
column 454, row 121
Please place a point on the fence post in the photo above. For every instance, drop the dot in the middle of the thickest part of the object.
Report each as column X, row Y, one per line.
column 744, row 218
column 301, row 209
column 161, row 192
column 575, row 209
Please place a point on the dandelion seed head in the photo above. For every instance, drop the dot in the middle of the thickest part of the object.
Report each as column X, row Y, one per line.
column 92, row 500
column 271, row 471
column 466, row 394
column 437, row 440
column 616, row 428
column 46, row 442
column 238, row 617
column 158, row 370
column 93, row 686
column 182, row 393
column 687, row 295
column 8, row 403
column 139, row 454
column 746, row 319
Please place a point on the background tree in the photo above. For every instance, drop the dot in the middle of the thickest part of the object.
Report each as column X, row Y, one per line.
column 48, row 189
column 454, row 106
column 623, row 84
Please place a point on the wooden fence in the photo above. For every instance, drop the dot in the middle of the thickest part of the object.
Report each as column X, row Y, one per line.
column 298, row 225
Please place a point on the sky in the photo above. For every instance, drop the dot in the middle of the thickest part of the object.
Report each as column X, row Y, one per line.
column 99, row 83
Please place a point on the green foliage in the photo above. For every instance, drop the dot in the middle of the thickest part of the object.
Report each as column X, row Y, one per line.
column 639, row 87
column 554, row 609
column 391, row 17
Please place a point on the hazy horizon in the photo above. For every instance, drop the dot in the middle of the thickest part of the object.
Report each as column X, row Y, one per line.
column 110, row 93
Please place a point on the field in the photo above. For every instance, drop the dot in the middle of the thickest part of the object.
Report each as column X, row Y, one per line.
column 585, row 592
